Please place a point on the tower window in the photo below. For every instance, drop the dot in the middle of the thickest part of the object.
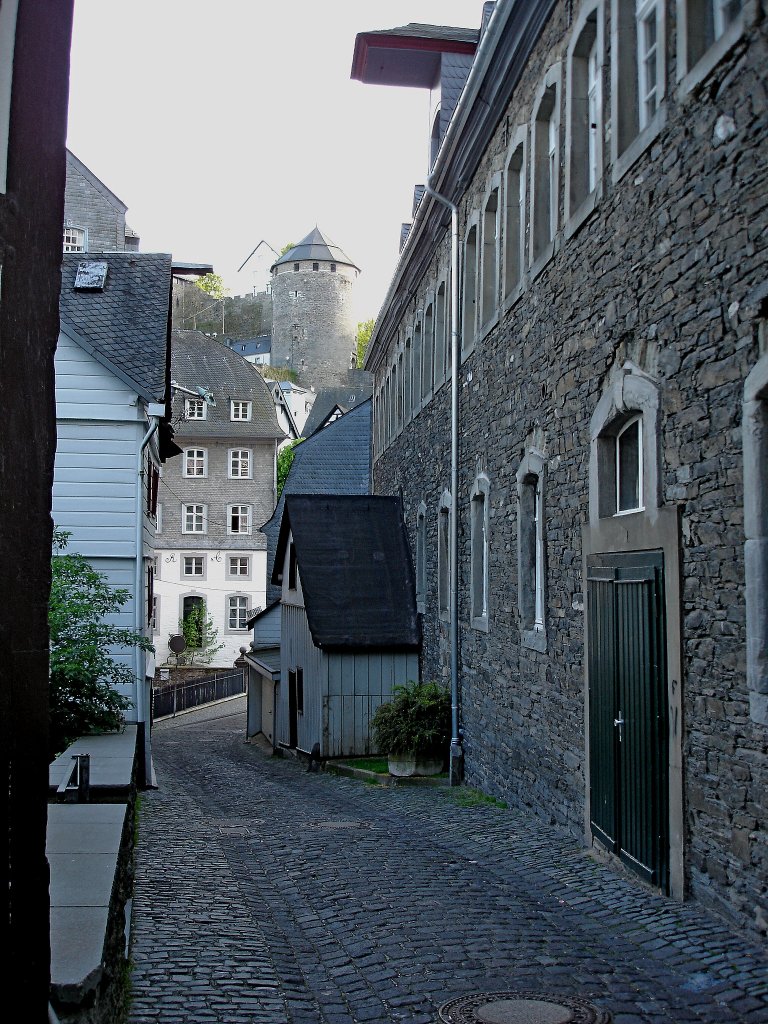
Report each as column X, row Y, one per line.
column 315, row 266
column 295, row 267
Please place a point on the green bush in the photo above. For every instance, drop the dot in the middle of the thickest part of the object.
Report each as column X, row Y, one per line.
column 84, row 674
column 416, row 722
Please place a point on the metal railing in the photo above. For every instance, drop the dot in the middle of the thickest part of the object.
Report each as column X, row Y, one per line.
column 173, row 698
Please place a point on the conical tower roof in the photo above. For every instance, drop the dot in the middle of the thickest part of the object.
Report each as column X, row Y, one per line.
column 316, row 246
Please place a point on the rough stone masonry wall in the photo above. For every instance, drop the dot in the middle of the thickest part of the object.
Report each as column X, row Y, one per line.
column 317, row 325
column 86, row 207
column 662, row 274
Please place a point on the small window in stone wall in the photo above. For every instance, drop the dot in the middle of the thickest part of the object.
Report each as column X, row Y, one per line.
column 531, row 570
column 490, row 257
column 421, row 557
column 295, row 268
column 427, row 361
column 544, row 172
column 444, row 557
column 333, row 268
column 584, row 113
column 514, row 220
column 700, row 25
column 315, row 266
column 629, row 467
column 469, row 299
column 639, row 69
column 479, row 553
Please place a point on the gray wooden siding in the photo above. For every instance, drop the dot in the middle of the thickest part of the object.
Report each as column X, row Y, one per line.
column 341, row 690
column 357, row 685
column 86, row 390
column 298, row 651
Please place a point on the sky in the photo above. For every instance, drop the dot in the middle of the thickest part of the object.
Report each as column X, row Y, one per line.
column 222, row 124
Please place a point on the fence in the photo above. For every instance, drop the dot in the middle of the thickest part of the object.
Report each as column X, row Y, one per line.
column 170, row 700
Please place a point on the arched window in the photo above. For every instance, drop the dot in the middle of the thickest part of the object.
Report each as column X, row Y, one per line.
column 490, row 257
column 421, row 557
column 427, row 361
column 584, row 113
column 479, row 522
column 469, row 302
column 444, row 556
column 545, row 163
column 531, row 551
column 514, row 215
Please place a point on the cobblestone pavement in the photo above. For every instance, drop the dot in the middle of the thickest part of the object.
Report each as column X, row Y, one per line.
column 268, row 894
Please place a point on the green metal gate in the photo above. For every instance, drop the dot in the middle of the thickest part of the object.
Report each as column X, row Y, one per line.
column 628, row 710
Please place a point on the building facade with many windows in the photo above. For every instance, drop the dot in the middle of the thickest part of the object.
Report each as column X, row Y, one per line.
column 213, row 499
column 607, row 166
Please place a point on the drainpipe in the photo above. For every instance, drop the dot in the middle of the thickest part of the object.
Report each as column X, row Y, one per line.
column 457, row 753
column 138, row 604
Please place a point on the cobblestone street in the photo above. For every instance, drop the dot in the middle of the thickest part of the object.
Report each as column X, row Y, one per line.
column 268, row 894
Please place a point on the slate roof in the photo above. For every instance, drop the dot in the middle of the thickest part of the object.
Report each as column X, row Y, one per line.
column 251, row 346
column 200, row 361
column 125, row 325
column 355, row 570
column 336, row 460
column 316, row 246
column 357, row 388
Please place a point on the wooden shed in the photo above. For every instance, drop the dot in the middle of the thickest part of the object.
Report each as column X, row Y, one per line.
column 349, row 626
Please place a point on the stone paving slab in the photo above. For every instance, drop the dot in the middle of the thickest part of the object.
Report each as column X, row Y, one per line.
column 268, row 894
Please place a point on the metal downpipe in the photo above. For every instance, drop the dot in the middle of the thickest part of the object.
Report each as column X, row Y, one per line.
column 457, row 752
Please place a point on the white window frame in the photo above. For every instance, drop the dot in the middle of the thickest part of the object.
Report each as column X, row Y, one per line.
column 237, row 603
column 649, row 86
column 236, row 461
column 634, row 422
column 632, row 130
column 629, row 393
column 72, row 235
column 240, row 411
column 194, row 521
column 241, row 560
column 584, row 117
column 198, row 461
column 241, row 512
column 545, row 170
column 193, row 562
column 195, row 409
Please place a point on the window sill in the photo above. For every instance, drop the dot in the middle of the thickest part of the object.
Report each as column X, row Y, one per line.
column 534, row 640
column 480, row 623
column 638, row 145
column 690, row 81
column 583, row 211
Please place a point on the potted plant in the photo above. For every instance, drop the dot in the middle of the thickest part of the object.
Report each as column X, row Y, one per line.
column 414, row 728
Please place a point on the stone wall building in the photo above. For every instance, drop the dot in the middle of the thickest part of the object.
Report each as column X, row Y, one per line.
column 314, row 330
column 608, row 165
column 94, row 217
column 214, row 498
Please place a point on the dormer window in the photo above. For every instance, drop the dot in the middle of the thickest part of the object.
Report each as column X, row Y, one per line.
column 240, row 410
column 194, row 408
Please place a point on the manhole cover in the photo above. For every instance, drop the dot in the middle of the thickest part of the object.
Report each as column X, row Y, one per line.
column 520, row 1008
column 338, row 824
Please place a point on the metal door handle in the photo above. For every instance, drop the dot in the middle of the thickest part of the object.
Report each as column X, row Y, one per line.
column 619, row 722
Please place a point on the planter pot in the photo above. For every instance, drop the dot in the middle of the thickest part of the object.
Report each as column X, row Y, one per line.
column 404, row 766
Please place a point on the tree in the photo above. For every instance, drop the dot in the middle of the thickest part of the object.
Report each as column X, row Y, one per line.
column 82, row 694
column 364, row 332
column 287, row 247
column 284, row 462
column 200, row 634
column 213, row 285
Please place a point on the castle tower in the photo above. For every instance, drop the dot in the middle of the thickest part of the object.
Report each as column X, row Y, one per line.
column 314, row 329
